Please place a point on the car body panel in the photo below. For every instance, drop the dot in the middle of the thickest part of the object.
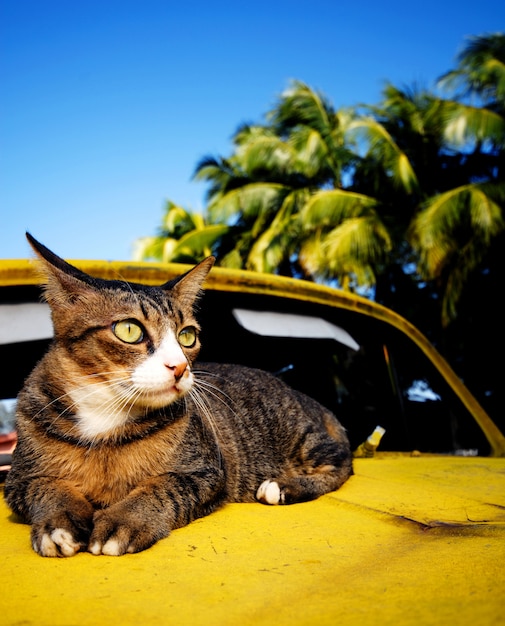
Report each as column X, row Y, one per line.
column 407, row 540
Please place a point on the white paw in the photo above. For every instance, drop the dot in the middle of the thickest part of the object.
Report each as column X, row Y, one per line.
column 269, row 492
column 109, row 548
column 59, row 542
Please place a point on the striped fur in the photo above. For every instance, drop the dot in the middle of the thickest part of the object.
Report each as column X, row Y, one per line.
column 122, row 436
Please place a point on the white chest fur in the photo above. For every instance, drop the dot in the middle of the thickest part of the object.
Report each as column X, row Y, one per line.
column 100, row 410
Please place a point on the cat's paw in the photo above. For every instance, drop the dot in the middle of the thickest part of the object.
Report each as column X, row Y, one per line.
column 64, row 542
column 112, row 547
column 61, row 520
column 110, row 539
column 60, row 535
column 59, row 542
column 118, row 531
column 269, row 492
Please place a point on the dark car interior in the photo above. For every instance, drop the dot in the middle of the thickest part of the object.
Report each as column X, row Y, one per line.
column 384, row 379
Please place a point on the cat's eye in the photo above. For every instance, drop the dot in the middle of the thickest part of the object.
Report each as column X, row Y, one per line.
column 128, row 331
column 187, row 337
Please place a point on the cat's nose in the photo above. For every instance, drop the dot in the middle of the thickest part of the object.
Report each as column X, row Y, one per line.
column 178, row 369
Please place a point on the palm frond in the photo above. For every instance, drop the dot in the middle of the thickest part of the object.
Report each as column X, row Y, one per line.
column 310, row 151
column 450, row 221
column 176, row 220
column 232, row 260
column 464, row 123
column 249, row 133
column 272, row 245
column 148, row 248
column 362, row 239
column 265, row 154
column 250, row 201
column 348, row 253
column 301, row 105
column 467, row 260
column 327, row 208
column 311, row 257
column 195, row 245
column 221, row 174
column 213, row 168
column 386, row 151
column 480, row 70
column 486, row 216
column 495, row 70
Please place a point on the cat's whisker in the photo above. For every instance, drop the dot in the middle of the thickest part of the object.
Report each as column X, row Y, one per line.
column 197, row 394
column 214, row 390
column 204, row 373
column 125, row 398
column 68, row 394
column 205, row 412
column 93, row 389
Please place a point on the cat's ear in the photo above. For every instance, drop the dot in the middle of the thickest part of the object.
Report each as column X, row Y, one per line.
column 64, row 281
column 188, row 287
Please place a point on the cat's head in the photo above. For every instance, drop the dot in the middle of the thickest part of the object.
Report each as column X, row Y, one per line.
column 138, row 342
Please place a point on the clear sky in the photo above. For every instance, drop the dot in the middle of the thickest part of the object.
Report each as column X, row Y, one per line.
column 106, row 106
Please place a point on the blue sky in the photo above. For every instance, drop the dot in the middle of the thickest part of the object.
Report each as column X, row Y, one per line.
column 106, row 106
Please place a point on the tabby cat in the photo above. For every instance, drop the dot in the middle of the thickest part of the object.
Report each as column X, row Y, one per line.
column 123, row 437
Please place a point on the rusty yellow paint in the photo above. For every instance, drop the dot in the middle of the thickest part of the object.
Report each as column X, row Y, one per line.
column 406, row 541
column 24, row 272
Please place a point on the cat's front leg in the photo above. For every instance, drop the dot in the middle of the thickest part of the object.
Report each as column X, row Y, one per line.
column 60, row 517
column 153, row 509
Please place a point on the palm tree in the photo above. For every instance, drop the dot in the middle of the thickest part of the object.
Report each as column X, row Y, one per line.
column 456, row 227
column 283, row 193
column 443, row 200
column 452, row 234
column 356, row 195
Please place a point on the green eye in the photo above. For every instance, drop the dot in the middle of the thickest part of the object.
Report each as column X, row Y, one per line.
column 128, row 331
column 187, row 337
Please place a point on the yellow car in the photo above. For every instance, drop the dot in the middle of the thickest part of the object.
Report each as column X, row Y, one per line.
column 416, row 536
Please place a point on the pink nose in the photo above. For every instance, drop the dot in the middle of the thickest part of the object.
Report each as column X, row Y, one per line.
column 178, row 369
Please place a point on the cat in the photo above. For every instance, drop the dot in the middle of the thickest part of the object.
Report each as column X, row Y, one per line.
column 123, row 436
